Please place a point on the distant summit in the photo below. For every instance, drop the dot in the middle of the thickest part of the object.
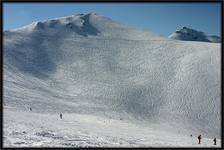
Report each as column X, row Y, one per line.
column 187, row 34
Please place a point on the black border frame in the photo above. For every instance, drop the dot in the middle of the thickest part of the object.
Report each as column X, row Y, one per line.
column 113, row 1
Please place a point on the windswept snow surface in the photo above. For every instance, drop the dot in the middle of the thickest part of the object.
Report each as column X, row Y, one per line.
column 115, row 85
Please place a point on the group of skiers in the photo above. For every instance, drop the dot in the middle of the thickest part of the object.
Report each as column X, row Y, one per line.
column 199, row 139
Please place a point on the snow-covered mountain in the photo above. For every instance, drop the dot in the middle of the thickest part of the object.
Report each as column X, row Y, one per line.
column 187, row 34
column 214, row 39
column 115, row 85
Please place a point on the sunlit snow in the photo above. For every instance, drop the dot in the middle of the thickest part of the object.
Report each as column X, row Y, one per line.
column 116, row 86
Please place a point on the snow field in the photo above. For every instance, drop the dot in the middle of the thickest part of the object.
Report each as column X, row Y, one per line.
column 93, row 69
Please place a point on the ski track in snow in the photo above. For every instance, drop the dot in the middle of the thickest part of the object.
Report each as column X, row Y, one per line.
column 115, row 85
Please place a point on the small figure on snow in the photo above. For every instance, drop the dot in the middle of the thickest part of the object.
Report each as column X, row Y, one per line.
column 214, row 141
column 30, row 109
column 191, row 135
column 199, row 139
column 61, row 116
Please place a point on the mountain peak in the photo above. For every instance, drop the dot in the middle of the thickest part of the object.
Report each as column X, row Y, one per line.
column 78, row 23
column 189, row 31
column 188, row 34
column 86, row 24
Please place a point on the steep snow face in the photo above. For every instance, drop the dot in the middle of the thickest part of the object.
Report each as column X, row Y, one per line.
column 187, row 34
column 89, row 64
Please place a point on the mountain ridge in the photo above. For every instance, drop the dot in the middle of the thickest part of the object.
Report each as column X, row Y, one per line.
column 188, row 34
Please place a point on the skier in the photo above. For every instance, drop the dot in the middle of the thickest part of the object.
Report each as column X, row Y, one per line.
column 61, row 116
column 214, row 141
column 191, row 135
column 30, row 109
column 199, row 139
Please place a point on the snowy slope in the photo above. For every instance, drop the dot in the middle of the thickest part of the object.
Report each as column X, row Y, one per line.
column 214, row 39
column 75, row 130
column 88, row 66
column 187, row 34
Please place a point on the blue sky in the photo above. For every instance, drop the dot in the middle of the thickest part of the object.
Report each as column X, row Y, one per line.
column 161, row 18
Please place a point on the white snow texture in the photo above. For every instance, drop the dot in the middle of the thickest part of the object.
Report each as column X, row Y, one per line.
column 115, row 86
